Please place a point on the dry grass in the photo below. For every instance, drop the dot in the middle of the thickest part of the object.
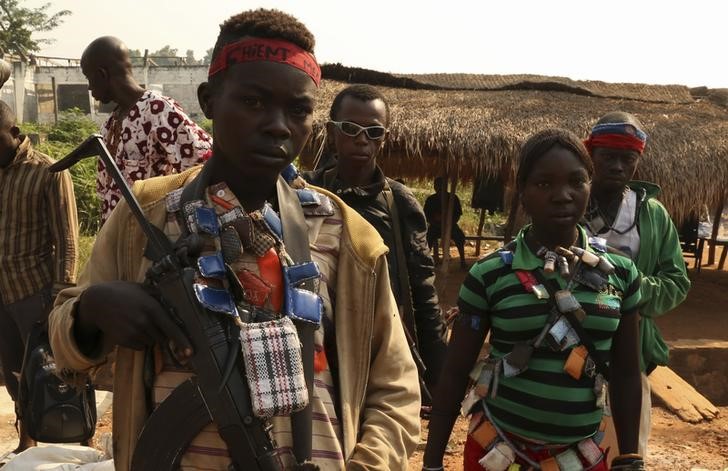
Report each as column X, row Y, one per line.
column 480, row 132
column 632, row 91
column 85, row 244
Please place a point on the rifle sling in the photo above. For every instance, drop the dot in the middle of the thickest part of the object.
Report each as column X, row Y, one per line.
column 407, row 309
column 295, row 238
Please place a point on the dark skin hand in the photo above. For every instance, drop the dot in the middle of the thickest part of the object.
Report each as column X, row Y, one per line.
column 462, row 352
column 127, row 315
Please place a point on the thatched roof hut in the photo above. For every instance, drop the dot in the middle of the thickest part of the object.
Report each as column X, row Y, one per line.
column 438, row 126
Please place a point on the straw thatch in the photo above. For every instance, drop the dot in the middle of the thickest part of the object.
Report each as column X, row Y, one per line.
column 479, row 133
column 632, row 91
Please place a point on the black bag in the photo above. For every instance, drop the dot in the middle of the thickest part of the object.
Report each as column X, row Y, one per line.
column 52, row 411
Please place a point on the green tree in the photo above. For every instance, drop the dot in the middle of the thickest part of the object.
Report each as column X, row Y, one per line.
column 165, row 56
column 137, row 57
column 166, row 51
column 61, row 138
column 190, row 57
column 208, row 57
column 18, row 24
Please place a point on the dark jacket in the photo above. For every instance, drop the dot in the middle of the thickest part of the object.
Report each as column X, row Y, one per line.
column 418, row 301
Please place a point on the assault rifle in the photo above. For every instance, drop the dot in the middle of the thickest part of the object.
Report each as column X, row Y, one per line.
column 218, row 392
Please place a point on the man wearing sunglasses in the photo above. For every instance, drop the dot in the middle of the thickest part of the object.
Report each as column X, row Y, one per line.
column 356, row 133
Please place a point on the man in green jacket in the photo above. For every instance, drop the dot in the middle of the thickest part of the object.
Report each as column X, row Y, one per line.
column 627, row 215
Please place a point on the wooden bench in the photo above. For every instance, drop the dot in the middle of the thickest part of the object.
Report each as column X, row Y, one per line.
column 485, row 237
column 717, row 243
column 479, row 238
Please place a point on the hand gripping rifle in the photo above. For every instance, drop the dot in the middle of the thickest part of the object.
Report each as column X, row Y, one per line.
column 213, row 394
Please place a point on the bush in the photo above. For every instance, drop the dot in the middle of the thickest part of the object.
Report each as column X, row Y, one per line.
column 206, row 124
column 72, row 129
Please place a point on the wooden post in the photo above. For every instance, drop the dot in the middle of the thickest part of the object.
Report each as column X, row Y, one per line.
column 481, row 222
column 716, row 227
column 145, row 74
column 55, row 100
column 447, row 224
column 19, row 89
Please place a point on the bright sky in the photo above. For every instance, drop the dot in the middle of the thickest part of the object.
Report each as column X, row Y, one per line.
column 615, row 41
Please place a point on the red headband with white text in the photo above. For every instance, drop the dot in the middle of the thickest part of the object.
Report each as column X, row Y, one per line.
column 272, row 50
column 616, row 136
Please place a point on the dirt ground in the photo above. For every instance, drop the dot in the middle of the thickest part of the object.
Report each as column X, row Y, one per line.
column 674, row 444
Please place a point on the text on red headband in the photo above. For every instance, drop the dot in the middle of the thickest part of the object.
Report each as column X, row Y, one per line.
column 273, row 50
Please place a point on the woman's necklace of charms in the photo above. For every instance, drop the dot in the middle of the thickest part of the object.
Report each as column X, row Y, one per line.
column 564, row 261
column 558, row 258
column 515, row 362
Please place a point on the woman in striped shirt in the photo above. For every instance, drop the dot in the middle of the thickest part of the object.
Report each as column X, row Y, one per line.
column 561, row 313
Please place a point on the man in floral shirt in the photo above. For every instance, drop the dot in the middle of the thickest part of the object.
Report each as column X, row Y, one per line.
column 148, row 134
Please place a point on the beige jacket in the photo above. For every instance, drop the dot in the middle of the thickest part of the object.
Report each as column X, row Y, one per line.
column 378, row 386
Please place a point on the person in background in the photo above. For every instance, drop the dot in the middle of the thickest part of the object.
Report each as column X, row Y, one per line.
column 147, row 133
column 38, row 246
column 357, row 131
column 433, row 213
column 627, row 214
column 556, row 335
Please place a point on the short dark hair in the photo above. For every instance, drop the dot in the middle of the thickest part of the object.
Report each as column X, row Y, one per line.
column 439, row 183
column 540, row 143
column 361, row 92
column 263, row 23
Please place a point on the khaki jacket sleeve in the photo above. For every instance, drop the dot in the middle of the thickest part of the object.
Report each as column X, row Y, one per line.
column 102, row 266
column 390, row 424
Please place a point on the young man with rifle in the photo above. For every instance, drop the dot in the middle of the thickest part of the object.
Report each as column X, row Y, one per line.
column 241, row 256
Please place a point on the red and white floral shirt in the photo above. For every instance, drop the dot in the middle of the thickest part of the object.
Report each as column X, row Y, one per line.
column 155, row 138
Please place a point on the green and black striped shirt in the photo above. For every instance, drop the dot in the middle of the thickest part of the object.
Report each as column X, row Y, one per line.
column 544, row 403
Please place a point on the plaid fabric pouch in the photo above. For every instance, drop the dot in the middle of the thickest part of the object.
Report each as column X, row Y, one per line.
column 272, row 356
